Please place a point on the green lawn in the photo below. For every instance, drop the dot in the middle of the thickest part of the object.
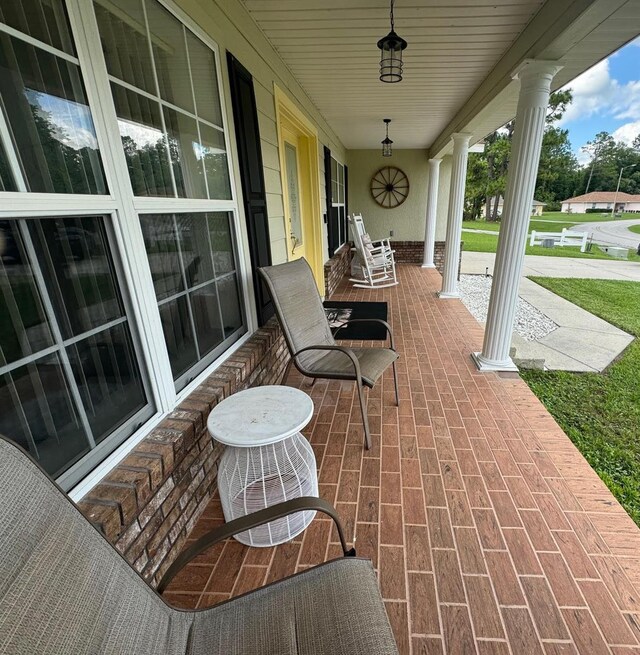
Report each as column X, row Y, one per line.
column 635, row 228
column 478, row 242
column 600, row 412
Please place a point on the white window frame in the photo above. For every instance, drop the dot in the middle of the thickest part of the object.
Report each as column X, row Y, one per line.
column 124, row 209
column 342, row 238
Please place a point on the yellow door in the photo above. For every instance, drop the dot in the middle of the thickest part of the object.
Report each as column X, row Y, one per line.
column 299, row 172
column 294, row 201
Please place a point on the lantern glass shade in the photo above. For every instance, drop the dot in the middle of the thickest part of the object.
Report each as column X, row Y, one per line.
column 386, row 147
column 391, row 47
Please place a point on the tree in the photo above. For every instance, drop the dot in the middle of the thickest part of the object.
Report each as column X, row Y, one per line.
column 558, row 166
column 608, row 157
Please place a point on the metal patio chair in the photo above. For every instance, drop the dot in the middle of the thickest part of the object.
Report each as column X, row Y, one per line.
column 311, row 344
column 64, row 590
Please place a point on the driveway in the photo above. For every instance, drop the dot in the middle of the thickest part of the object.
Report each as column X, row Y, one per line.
column 477, row 262
column 612, row 233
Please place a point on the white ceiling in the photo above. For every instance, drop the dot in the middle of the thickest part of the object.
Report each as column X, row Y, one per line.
column 330, row 46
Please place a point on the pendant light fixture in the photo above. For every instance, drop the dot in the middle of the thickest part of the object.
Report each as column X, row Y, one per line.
column 391, row 47
column 387, row 142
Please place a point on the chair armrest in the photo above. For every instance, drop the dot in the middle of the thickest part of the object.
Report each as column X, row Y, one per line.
column 347, row 351
column 369, row 320
column 253, row 520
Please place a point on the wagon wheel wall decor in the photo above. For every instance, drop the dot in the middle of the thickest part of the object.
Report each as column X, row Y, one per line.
column 389, row 187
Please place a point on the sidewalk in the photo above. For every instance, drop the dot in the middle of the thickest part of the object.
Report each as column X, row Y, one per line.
column 475, row 263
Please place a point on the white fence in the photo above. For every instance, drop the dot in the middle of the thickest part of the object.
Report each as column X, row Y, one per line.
column 564, row 238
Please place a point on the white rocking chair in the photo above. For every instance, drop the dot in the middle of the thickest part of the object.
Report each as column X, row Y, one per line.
column 377, row 262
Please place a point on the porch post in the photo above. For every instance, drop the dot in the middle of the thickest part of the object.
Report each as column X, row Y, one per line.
column 535, row 83
column 454, row 217
column 432, row 206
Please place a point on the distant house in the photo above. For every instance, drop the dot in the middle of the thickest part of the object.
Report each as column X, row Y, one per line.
column 625, row 202
column 536, row 207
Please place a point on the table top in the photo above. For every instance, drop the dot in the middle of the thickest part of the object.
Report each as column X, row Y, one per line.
column 260, row 416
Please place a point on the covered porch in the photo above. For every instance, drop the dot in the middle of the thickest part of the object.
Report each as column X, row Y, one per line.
column 489, row 531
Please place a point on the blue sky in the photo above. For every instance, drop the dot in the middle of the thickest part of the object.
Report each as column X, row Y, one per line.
column 606, row 98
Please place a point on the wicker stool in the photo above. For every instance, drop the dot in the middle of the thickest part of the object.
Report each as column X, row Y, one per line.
column 267, row 460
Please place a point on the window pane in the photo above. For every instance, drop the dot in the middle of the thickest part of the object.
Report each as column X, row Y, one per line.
column 78, row 271
column 196, row 251
column 123, row 36
column 144, row 143
column 206, row 316
column 38, row 413
column 108, row 377
column 215, row 162
column 161, row 244
column 193, row 264
column 7, row 182
column 24, row 329
column 170, row 56
column 205, row 80
column 45, row 20
column 230, row 304
column 69, row 376
column 186, row 154
column 50, row 121
column 176, row 325
column 221, row 242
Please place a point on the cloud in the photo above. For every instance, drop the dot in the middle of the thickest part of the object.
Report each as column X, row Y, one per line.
column 583, row 157
column 627, row 132
column 595, row 93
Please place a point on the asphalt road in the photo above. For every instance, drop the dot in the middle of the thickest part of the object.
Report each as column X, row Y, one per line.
column 612, row 233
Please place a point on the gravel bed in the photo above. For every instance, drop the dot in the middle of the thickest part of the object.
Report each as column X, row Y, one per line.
column 531, row 324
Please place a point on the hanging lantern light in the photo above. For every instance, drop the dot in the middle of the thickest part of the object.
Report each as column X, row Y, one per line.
column 387, row 142
column 391, row 47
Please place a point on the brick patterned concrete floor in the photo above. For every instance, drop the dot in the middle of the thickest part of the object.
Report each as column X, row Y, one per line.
column 489, row 531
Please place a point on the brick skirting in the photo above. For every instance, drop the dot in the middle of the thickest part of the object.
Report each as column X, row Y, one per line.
column 147, row 505
column 335, row 269
column 411, row 252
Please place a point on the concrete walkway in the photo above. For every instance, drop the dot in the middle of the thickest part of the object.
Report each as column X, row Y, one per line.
column 475, row 263
column 582, row 342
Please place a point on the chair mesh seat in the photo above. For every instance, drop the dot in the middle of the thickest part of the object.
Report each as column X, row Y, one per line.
column 334, row 608
column 373, row 363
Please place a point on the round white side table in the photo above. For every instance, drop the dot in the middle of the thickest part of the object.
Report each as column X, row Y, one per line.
column 267, row 460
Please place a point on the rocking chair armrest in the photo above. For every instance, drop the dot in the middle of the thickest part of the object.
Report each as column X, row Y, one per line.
column 369, row 320
column 254, row 520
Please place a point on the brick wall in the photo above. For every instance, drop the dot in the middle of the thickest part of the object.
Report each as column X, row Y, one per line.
column 411, row 252
column 335, row 269
column 148, row 504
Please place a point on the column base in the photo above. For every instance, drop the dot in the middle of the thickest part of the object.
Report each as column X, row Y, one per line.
column 428, row 265
column 448, row 295
column 488, row 366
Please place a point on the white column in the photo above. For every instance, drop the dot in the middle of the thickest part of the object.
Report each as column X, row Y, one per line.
column 432, row 206
column 535, row 83
column 454, row 217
